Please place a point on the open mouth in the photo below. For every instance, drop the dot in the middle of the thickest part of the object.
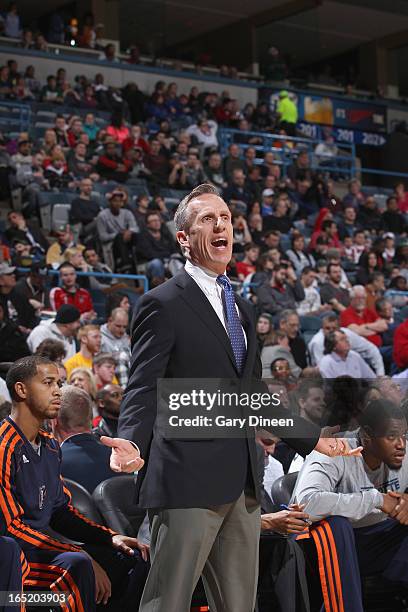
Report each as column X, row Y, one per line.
column 220, row 243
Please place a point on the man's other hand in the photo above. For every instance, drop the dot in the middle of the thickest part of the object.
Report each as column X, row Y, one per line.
column 125, row 457
column 335, row 447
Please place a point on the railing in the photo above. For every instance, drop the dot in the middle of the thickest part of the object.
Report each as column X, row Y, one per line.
column 284, row 154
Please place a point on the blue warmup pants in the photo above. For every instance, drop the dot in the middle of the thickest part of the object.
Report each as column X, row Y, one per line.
column 13, row 569
column 71, row 572
column 345, row 554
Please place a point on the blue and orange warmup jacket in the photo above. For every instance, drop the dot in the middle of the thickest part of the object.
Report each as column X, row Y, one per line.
column 33, row 497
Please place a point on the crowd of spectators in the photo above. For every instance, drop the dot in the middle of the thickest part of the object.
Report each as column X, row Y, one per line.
column 327, row 274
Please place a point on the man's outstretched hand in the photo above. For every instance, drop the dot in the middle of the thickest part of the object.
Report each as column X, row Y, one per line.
column 335, row 447
column 125, row 457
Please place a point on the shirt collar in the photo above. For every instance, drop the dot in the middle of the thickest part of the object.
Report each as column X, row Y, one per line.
column 206, row 279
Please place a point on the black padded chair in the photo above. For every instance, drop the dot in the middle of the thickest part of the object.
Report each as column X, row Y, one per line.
column 282, row 488
column 115, row 501
column 83, row 502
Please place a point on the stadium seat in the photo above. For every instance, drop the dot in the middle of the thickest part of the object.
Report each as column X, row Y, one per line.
column 60, row 214
column 282, row 488
column 83, row 502
column 114, row 499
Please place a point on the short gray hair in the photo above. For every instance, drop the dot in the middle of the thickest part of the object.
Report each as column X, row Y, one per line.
column 181, row 216
column 354, row 291
column 286, row 314
column 76, row 409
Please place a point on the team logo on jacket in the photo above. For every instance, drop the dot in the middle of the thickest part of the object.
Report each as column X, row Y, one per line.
column 42, row 492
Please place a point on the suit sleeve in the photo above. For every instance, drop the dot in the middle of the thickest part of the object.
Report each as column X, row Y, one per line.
column 152, row 342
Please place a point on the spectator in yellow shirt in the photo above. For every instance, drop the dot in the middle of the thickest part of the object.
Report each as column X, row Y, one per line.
column 90, row 339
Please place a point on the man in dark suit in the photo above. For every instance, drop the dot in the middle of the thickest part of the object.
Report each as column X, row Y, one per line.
column 84, row 459
column 202, row 495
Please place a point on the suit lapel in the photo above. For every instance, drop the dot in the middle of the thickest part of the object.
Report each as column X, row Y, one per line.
column 198, row 302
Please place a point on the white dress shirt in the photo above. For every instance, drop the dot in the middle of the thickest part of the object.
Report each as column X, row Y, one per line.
column 207, row 281
column 332, row 366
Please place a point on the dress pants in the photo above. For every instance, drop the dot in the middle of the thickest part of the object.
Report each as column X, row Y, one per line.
column 220, row 543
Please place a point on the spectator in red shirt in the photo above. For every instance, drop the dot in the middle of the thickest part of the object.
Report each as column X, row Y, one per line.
column 402, row 197
column 135, row 140
column 400, row 353
column 74, row 131
column 248, row 264
column 71, row 293
column 111, row 166
column 360, row 319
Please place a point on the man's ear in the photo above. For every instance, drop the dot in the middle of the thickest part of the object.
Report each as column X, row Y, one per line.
column 184, row 242
column 21, row 390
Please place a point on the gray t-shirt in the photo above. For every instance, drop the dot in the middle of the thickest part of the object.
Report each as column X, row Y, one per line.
column 345, row 486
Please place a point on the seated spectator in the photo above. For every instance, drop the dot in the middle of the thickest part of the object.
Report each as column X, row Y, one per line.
column 353, row 507
column 354, row 197
column 368, row 263
column 109, row 54
column 375, row 289
column 117, row 128
column 12, row 340
column 392, row 220
column 57, row 174
column 79, row 165
column 104, row 370
column 116, row 341
column 30, row 289
column 329, row 231
column 95, row 264
column 22, row 229
column 116, row 229
column 255, row 226
column 84, row 210
column 300, row 168
column 74, row 256
column 61, row 131
column 108, row 400
column 311, row 305
column 348, row 225
column 158, row 165
column 214, row 171
column 248, row 264
column 368, row 351
column 389, row 253
column 84, row 459
column 90, row 128
column 281, row 292
column 205, row 133
column 310, row 404
column 289, row 323
column 70, row 293
column 135, row 140
column 281, row 375
column 233, row 161
column 194, row 172
column 339, row 360
column 279, row 219
column 83, row 378
column 369, row 216
column 156, row 245
column 402, row 197
column 50, row 92
column 111, row 166
column 178, row 175
column 264, row 331
column 264, row 268
column 397, row 291
column 360, row 319
column 52, row 349
column 297, row 255
column 65, row 240
column 400, row 354
column 332, row 292
column 63, row 328
column 22, row 159
column 281, row 350
column 236, row 194
column 15, row 303
column 34, row 386
column 89, row 337
column 74, row 131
